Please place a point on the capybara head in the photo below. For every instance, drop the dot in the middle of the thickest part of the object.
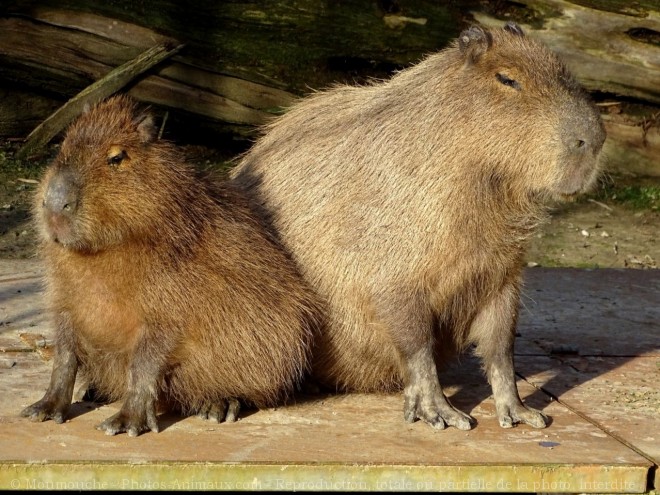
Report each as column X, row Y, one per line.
column 515, row 103
column 108, row 183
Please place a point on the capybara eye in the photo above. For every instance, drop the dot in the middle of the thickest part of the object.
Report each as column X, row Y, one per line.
column 507, row 81
column 116, row 158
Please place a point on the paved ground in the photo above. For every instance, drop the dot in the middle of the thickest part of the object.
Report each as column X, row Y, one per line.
column 588, row 354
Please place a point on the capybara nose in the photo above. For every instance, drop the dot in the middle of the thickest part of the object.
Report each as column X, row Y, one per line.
column 585, row 134
column 61, row 195
column 580, row 146
column 592, row 143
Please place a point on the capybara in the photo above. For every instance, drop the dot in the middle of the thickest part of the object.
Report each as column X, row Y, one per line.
column 164, row 286
column 407, row 204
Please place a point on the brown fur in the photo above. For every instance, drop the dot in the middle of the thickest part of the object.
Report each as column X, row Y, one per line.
column 157, row 266
column 408, row 204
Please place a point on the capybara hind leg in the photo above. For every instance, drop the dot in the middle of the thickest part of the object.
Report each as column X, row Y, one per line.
column 510, row 409
column 138, row 413
column 220, row 411
column 410, row 326
column 494, row 331
column 55, row 403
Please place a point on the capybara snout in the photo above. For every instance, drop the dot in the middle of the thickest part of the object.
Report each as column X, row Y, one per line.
column 59, row 204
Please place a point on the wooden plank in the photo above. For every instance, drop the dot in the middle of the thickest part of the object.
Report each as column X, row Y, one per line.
column 601, row 341
column 606, row 312
column 109, row 84
column 621, row 395
column 324, row 441
column 79, row 53
column 318, row 477
column 318, row 442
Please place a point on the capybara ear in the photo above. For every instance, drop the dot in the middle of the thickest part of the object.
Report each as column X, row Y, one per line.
column 513, row 28
column 474, row 42
column 146, row 128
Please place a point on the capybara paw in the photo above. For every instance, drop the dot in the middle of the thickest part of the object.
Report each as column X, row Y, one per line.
column 132, row 424
column 436, row 412
column 45, row 409
column 522, row 414
column 220, row 411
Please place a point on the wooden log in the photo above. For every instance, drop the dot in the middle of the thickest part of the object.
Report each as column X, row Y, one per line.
column 607, row 51
column 75, row 52
column 104, row 87
column 289, row 45
column 21, row 111
column 633, row 143
column 612, row 45
column 245, row 61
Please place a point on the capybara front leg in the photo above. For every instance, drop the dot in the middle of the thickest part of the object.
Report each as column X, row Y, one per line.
column 493, row 330
column 410, row 325
column 510, row 409
column 424, row 398
column 222, row 410
column 55, row 403
column 138, row 412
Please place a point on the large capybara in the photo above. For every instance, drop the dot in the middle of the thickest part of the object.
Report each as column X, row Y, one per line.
column 408, row 205
column 164, row 287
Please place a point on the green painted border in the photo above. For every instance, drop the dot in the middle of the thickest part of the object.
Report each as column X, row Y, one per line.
column 567, row 478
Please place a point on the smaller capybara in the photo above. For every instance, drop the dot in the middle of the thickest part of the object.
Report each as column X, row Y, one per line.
column 408, row 204
column 164, row 286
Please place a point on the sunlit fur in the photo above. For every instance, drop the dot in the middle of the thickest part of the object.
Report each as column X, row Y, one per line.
column 154, row 252
column 417, row 196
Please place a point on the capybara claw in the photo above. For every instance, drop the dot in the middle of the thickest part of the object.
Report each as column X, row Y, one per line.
column 436, row 412
column 522, row 414
column 44, row 410
column 131, row 424
column 219, row 411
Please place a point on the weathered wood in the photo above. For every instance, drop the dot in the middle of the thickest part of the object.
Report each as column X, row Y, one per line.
column 245, row 61
column 290, row 45
column 130, row 35
column 612, row 45
column 177, row 85
column 21, row 111
column 633, row 144
column 104, row 87
column 607, row 51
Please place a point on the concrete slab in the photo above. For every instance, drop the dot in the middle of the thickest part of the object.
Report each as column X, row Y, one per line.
column 612, row 312
column 620, row 395
column 352, row 442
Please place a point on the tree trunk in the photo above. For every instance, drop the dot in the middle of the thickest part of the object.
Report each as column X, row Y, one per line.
column 245, row 61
